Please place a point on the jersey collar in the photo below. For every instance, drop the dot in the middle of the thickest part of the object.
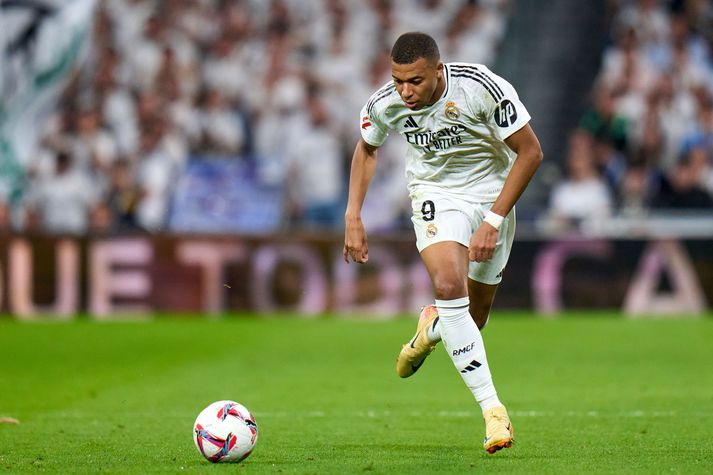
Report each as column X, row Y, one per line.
column 447, row 78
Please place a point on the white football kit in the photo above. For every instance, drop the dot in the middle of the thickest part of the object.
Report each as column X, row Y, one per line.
column 457, row 160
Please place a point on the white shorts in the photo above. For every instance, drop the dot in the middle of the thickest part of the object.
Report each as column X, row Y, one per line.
column 438, row 217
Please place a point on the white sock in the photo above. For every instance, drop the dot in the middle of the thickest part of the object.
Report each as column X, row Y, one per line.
column 433, row 332
column 465, row 347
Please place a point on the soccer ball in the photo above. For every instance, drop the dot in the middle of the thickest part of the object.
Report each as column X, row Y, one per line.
column 225, row 431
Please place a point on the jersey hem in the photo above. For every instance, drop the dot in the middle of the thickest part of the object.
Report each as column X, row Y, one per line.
column 419, row 191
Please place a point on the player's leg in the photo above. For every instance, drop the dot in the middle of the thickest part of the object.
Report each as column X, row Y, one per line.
column 445, row 220
column 484, row 277
column 481, row 294
column 481, row 300
column 499, row 430
column 447, row 264
column 437, row 219
column 448, row 270
column 483, row 281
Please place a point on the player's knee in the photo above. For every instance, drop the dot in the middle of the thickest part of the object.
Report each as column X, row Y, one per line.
column 448, row 289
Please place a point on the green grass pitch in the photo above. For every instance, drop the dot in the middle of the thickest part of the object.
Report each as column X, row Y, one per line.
column 587, row 393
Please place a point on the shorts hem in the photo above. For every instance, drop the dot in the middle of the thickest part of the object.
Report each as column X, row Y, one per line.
column 483, row 281
column 436, row 241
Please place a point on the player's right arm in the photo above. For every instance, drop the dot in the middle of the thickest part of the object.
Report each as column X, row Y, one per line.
column 373, row 134
column 362, row 171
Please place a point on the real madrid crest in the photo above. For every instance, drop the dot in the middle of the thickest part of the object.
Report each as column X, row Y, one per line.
column 452, row 111
column 431, row 230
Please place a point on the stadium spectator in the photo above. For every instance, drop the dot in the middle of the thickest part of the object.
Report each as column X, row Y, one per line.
column 641, row 178
column 117, row 105
column 123, row 197
column 61, row 202
column 222, row 128
column 638, row 186
column 224, row 70
column 93, row 148
column 314, row 165
column 702, row 163
column 628, row 73
column 681, row 187
column 701, row 134
column 155, row 174
column 146, row 56
column 583, row 196
column 603, row 122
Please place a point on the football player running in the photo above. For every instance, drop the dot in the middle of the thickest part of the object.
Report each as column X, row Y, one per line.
column 472, row 153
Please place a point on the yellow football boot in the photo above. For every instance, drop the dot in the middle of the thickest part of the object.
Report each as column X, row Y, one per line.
column 499, row 433
column 414, row 353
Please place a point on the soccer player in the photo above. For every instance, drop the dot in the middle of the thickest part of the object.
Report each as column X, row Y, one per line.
column 472, row 153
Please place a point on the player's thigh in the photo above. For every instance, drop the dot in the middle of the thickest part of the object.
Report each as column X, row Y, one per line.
column 438, row 217
column 491, row 271
column 443, row 225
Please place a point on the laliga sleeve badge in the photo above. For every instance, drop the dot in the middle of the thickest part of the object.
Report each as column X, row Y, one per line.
column 431, row 230
column 452, row 111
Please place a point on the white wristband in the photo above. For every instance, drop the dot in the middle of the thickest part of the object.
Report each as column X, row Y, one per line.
column 495, row 220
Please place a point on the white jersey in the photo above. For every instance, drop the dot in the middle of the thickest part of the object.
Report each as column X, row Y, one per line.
column 457, row 144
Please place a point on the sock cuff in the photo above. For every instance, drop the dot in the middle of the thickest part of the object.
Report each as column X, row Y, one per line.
column 452, row 308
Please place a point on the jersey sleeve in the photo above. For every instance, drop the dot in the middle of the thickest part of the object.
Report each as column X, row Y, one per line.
column 499, row 103
column 373, row 131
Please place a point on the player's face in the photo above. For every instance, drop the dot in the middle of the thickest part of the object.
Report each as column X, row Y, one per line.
column 420, row 83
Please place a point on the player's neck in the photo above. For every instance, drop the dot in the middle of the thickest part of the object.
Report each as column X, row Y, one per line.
column 440, row 88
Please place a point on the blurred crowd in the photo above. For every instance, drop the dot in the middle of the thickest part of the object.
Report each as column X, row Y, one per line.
column 646, row 143
column 278, row 83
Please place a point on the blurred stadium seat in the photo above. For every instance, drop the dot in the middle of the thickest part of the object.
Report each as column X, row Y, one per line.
column 223, row 196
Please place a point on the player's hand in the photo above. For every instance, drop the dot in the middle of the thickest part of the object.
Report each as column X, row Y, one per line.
column 482, row 243
column 355, row 246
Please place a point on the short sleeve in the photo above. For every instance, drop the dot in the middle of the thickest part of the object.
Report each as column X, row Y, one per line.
column 500, row 104
column 372, row 130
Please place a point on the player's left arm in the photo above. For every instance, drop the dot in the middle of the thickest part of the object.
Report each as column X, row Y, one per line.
column 525, row 144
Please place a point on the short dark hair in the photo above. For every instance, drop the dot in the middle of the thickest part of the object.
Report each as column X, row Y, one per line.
column 411, row 46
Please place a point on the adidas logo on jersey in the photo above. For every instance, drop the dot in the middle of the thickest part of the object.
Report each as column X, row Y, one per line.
column 410, row 122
